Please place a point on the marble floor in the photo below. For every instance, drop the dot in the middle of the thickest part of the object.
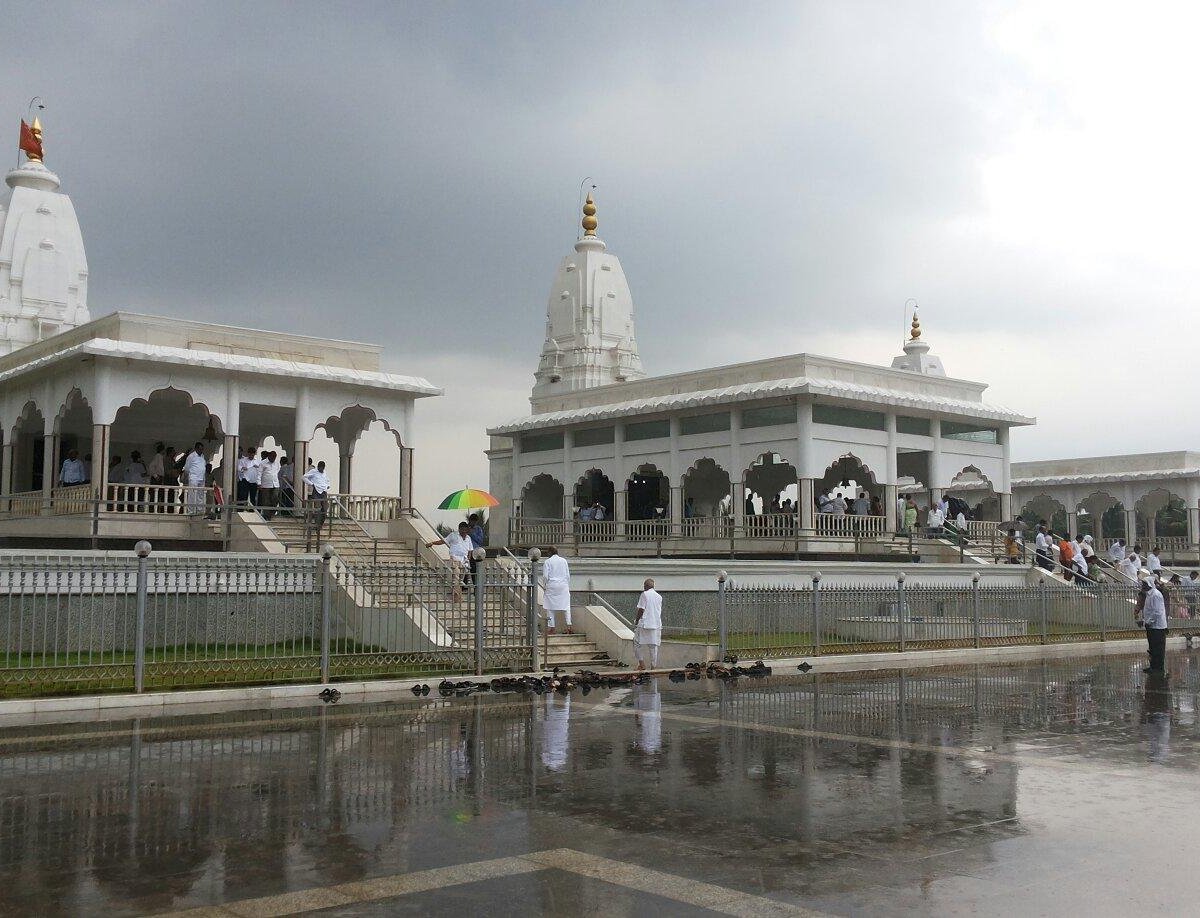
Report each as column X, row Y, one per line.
column 1058, row 787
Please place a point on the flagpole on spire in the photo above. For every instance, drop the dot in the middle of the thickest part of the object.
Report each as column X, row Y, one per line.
column 33, row 126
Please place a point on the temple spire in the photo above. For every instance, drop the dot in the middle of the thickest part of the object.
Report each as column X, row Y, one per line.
column 590, row 222
column 916, row 327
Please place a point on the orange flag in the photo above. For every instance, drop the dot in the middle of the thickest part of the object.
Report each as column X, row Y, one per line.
column 29, row 142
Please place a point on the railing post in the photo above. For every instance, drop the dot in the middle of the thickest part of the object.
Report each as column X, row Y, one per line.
column 722, row 624
column 816, row 612
column 900, row 609
column 1042, row 600
column 975, row 606
column 531, row 607
column 480, row 556
column 326, row 610
column 1101, row 589
column 139, row 648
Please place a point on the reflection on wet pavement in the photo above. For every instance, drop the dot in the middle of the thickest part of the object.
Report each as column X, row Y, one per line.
column 1008, row 789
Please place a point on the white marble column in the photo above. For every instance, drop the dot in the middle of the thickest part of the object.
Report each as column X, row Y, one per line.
column 806, row 498
column 300, row 459
column 936, row 484
column 568, row 480
column 891, row 474
column 99, row 470
column 230, row 446
column 49, row 460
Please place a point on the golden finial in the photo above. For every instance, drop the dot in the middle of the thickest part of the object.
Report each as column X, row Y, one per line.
column 916, row 327
column 589, row 216
column 36, row 127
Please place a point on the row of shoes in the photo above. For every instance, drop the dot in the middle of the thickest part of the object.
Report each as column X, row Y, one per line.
column 715, row 670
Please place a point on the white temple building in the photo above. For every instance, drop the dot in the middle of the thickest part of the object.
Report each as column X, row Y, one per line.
column 708, row 452
column 106, row 387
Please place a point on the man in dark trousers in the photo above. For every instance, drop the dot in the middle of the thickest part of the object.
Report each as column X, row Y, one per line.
column 1152, row 613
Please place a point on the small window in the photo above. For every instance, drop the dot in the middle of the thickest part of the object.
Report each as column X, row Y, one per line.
column 647, row 430
column 771, row 416
column 976, row 433
column 918, row 426
column 848, row 417
column 592, row 436
column 540, row 442
column 704, row 423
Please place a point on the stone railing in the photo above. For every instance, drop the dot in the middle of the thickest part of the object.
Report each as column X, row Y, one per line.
column 368, row 508
column 849, row 526
column 73, row 500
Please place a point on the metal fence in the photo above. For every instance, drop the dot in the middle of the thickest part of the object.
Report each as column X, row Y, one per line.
column 96, row 622
column 816, row 618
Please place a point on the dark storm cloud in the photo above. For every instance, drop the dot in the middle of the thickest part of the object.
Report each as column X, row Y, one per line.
column 771, row 174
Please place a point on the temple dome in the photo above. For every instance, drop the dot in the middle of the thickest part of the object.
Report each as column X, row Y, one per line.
column 589, row 320
column 43, row 266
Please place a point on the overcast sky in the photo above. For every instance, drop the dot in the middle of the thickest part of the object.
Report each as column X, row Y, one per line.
column 775, row 177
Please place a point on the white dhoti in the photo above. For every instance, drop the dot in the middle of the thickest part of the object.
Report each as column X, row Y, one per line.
column 556, row 598
column 195, row 500
column 645, row 645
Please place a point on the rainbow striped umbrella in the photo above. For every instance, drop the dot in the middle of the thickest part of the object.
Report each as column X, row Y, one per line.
column 468, row 499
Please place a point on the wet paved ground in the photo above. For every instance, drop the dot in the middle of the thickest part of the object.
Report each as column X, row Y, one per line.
column 1062, row 788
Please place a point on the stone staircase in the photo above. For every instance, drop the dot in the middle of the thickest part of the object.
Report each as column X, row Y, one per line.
column 574, row 651
column 402, row 579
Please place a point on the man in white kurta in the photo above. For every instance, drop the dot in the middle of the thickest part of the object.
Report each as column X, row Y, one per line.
column 194, row 467
column 648, row 635
column 556, row 590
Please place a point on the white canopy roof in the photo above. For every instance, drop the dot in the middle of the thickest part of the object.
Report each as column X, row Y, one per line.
column 773, row 388
column 267, row 366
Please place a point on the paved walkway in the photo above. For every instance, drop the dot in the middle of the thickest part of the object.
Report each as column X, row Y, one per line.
column 1023, row 788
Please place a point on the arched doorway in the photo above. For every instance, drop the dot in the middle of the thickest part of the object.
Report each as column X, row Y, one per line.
column 1162, row 517
column 1101, row 516
column 707, row 496
column 74, row 428
column 542, row 499
column 592, row 488
column 28, row 454
column 595, row 500
column 1045, row 507
column 771, row 493
column 648, row 494
column 979, row 500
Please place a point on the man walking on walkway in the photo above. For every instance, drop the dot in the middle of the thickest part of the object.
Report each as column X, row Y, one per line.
column 648, row 625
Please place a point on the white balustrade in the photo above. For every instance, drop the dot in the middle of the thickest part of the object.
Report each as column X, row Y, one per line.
column 849, row 526
column 72, row 500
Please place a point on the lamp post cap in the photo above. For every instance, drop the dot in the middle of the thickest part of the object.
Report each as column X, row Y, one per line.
column 534, row 554
column 901, row 577
column 816, row 575
column 722, row 576
column 479, row 554
column 327, row 551
column 143, row 549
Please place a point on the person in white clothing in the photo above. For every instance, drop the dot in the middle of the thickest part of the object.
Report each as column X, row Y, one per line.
column 648, row 623
column 1129, row 567
column 194, row 468
column 460, row 546
column 1116, row 551
column 72, row 470
column 1153, row 561
column 935, row 520
column 556, row 590
column 318, row 484
column 268, row 484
